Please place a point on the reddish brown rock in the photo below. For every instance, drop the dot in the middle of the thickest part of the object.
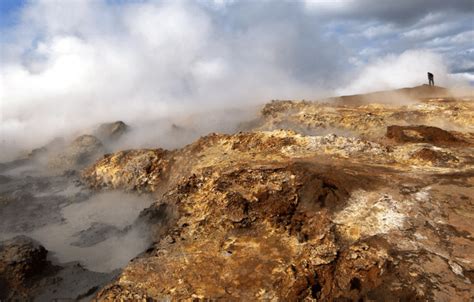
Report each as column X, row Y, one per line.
column 281, row 216
column 423, row 134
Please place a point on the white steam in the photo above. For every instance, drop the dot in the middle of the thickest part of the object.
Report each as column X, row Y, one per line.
column 76, row 63
column 114, row 209
column 396, row 71
column 72, row 64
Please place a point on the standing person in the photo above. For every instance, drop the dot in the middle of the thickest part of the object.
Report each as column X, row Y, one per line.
column 430, row 79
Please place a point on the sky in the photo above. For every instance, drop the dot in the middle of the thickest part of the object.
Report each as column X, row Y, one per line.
column 67, row 64
column 9, row 10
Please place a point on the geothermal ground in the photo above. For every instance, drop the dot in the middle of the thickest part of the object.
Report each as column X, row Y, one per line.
column 359, row 198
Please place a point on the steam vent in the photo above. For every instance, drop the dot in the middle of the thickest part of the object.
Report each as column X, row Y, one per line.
column 345, row 199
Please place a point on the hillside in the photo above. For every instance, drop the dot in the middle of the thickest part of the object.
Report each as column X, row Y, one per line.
column 360, row 198
column 380, row 211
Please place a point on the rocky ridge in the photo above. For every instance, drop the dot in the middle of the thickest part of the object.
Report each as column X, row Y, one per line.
column 378, row 211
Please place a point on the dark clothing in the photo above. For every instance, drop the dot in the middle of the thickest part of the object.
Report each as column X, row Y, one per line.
column 430, row 79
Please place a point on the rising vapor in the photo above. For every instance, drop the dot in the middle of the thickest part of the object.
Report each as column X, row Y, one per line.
column 70, row 65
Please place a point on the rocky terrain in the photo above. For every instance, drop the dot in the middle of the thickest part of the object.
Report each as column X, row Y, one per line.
column 360, row 198
column 43, row 197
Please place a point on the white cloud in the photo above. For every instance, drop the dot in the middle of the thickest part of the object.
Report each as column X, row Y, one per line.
column 466, row 37
column 69, row 64
column 463, row 77
column 396, row 71
column 430, row 30
column 78, row 63
column 333, row 6
column 376, row 31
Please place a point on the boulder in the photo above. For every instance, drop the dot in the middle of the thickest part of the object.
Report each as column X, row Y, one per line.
column 79, row 153
column 21, row 259
column 53, row 146
column 109, row 132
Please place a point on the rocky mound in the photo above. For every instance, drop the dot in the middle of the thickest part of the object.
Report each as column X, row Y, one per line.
column 253, row 237
column 60, row 155
column 367, row 117
column 27, row 275
column 402, row 95
column 277, row 230
column 435, row 157
column 21, row 259
column 423, row 134
column 139, row 170
column 277, row 215
column 312, row 202
column 80, row 152
column 110, row 132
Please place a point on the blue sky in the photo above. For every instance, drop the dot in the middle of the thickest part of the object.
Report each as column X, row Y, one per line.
column 9, row 10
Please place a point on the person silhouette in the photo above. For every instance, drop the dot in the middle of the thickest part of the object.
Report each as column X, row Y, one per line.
column 430, row 79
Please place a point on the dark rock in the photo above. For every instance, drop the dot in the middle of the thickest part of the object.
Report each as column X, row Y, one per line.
column 26, row 274
column 36, row 212
column 96, row 233
column 73, row 282
column 13, row 164
column 156, row 219
column 423, row 134
column 49, row 149
column 434, row 156
column 82, row 151
column 4, row 179
column 109, row 132
column 21, row 259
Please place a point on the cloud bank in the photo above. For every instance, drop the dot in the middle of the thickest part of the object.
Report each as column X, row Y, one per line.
column 404, row 70
column 69, row 64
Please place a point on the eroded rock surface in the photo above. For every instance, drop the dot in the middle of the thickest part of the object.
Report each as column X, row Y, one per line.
column 78, row 153
column 423, row 134
column 109, row 132
column 26, row 274
column 303, row 213
column 21, row 259
column 61, row 155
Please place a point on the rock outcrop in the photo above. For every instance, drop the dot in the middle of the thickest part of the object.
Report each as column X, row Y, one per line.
column 60, row 155
column 26, row 274
column 110, row 132
column 286, row 216
column 21, row 260
column 368, row 119
column 81, row 151
column 423, row 134
column 359, row 198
